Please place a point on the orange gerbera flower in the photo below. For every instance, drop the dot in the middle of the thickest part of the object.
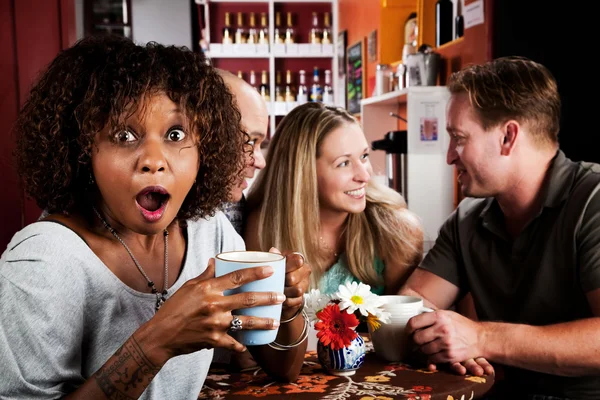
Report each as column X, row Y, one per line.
column 336, row 328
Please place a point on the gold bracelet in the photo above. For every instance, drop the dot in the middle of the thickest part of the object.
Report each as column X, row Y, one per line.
column 302, row 338
column 293, row 317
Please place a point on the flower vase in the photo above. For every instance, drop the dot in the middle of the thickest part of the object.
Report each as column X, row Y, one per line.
column 344, row 361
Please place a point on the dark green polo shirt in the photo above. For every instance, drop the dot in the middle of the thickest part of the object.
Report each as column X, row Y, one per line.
column 537, row 278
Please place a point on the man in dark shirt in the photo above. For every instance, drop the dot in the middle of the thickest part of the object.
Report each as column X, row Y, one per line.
column 525, row 242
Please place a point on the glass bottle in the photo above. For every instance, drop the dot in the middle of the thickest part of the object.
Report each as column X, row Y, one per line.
column 227, row 30
column 316, row 92
column 315, row 31
column 279, row 34
column 326, row 34
column 443, row 22
column 302, row 96
column 264, row 86
column 459, row 22
column 253, row 80
column 252, row 32
column 289, row 32
column 241, row 36
column 289, row 89
column 328, row 89
column 240, row 75
column 278, row 89
column 263, row 33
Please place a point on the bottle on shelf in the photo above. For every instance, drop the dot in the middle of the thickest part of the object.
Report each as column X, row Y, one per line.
column 302, row 96
column 264, row 86
column 410, row 36
column 443, row 22
column 253, row 80
column 328, row 90
column 289, row 89
column 240, row 75
column 278, row 88
column 252, row 31
column 263, row 33
column 227, row 30
column 326, row 34
column 316, row 92
column 290, row 32
column 279, row 34
column 459, row 22
column 315, row 31
column 241, row 36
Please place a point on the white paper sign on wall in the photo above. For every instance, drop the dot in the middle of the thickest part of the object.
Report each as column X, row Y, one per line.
column 473, row 14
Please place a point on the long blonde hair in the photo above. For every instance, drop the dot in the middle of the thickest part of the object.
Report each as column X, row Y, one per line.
column 286, row 195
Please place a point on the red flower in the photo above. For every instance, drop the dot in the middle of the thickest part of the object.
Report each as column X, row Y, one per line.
column 336, row 328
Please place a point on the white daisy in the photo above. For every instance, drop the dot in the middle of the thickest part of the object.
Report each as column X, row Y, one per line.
column 357, row 296
column 383, row 316
column 314, row 302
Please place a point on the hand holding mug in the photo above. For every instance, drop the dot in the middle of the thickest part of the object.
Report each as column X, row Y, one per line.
column 199, row 315
column 297, row 281
column 447, row 337
column 234, row 261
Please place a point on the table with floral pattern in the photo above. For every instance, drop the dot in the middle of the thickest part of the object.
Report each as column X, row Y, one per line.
column 375, row 380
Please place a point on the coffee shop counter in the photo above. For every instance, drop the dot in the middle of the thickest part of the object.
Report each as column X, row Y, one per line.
column 375, row 380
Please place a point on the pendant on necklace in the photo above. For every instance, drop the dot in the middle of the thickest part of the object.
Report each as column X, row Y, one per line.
column 160, row 299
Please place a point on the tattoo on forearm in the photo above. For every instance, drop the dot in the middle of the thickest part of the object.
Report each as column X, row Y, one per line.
column 127, row 373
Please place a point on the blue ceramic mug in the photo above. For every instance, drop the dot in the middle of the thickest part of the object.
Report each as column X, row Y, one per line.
column 236, row 260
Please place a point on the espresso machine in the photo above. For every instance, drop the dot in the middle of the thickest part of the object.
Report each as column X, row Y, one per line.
column 395, row 145
column 411, row 157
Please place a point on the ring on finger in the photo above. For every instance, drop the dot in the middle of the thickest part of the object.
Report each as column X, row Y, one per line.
column 301, row 255
column 236, row 324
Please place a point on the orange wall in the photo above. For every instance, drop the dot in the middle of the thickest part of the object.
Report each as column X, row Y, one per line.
column 359, row 18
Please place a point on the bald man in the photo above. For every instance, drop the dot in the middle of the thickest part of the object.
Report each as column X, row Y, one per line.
column 255, row 120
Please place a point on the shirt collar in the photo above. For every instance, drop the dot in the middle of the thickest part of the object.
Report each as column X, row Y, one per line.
column 556, row 187
column 560, row 179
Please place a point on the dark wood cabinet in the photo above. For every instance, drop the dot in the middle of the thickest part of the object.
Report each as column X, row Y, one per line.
column 33, row 33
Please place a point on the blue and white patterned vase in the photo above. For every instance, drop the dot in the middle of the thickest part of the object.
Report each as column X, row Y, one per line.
column 342, row 362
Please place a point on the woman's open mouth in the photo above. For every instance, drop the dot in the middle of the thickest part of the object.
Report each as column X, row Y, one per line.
column 152, row 202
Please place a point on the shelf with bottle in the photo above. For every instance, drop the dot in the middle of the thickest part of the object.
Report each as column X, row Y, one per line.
column 299, row 36
column 441, row 21
column 250, row 38
column 314, row 88
column 240, row 30
column 292, row 87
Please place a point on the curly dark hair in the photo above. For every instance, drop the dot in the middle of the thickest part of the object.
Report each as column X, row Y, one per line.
column 92, row 84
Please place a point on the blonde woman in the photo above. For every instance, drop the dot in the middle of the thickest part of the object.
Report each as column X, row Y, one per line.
column 315, row 195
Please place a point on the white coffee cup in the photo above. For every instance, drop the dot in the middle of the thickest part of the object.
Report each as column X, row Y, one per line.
column 236, row 260
column 390, row 341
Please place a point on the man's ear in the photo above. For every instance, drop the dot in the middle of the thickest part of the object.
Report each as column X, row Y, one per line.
column 511, row 130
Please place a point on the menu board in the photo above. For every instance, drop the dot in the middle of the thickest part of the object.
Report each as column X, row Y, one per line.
column 356, row 69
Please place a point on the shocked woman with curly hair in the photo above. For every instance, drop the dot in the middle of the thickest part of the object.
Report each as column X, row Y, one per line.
column 131, row 149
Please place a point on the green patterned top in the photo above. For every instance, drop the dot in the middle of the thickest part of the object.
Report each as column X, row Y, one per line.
column 339, row 274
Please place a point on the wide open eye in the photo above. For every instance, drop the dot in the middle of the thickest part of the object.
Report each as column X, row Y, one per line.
column 125, row 136
column 176, row 134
